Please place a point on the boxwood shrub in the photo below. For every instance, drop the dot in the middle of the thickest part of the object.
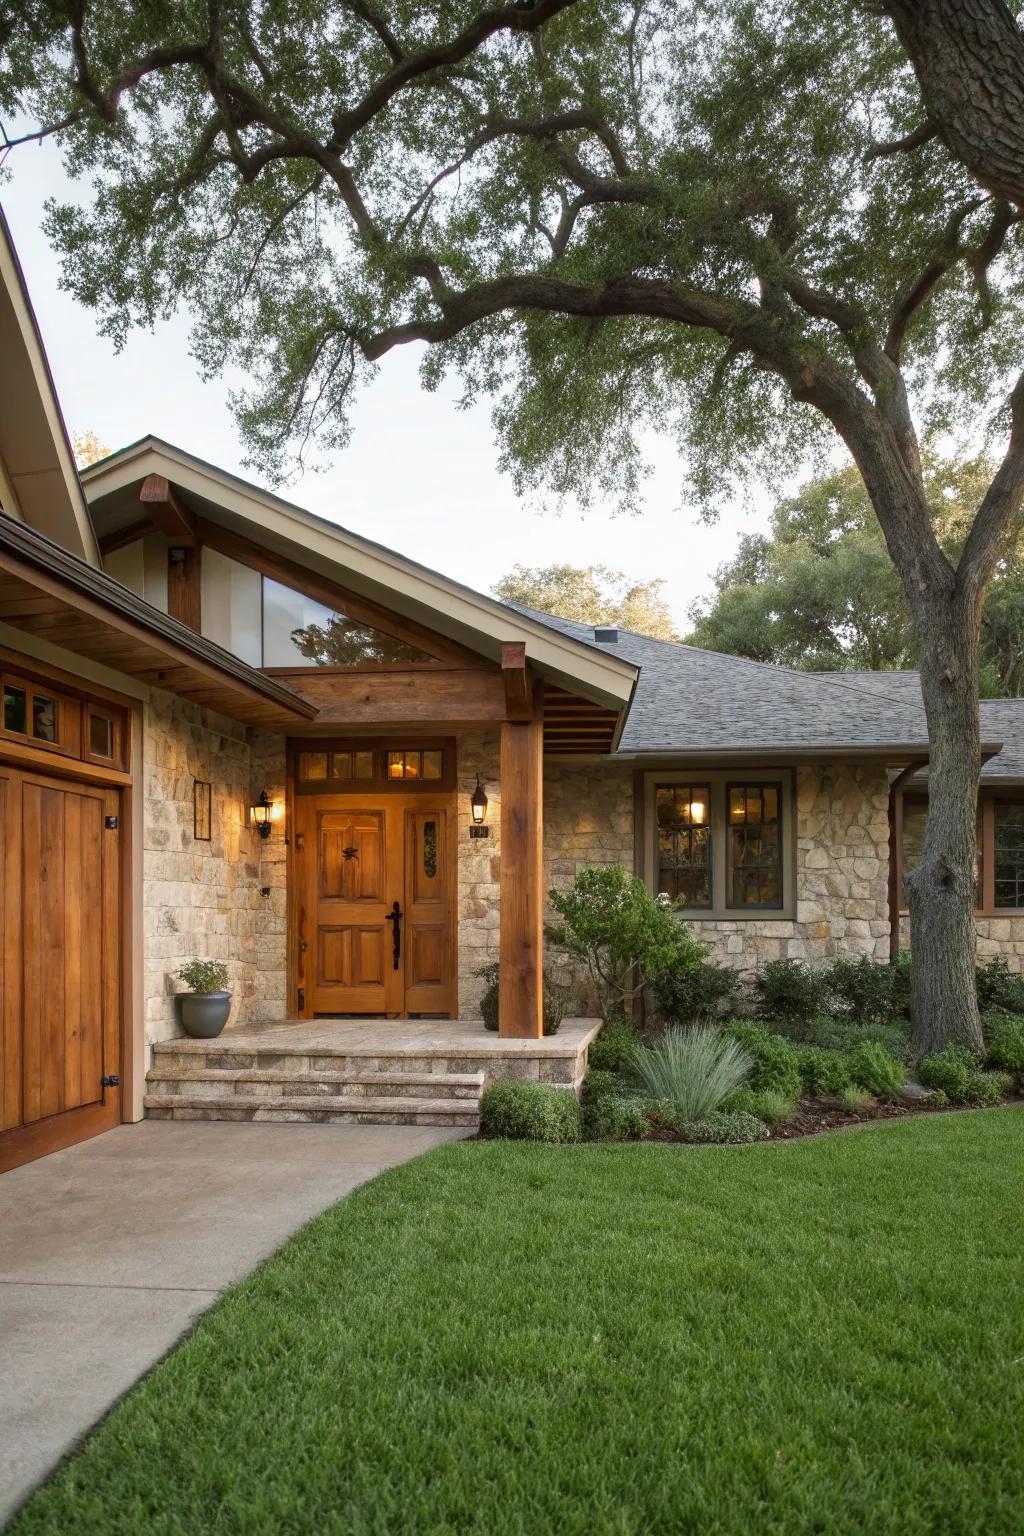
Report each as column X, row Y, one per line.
column 530, row 1112
column 956, row 1073
column 791, row 992
column 614, row 1117
column 609, row 1052
column 695, row 994
column 776, row 1064
column 1004, row 1040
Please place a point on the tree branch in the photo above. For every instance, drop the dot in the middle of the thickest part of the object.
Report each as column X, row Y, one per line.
column 920, row 135
column 1000, row 504
column 370, row 14
column 920, row 288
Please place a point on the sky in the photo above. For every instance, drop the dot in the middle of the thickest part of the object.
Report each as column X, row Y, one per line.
column 419, row 475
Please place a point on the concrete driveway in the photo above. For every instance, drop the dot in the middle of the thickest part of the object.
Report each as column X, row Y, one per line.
column 110, row 1250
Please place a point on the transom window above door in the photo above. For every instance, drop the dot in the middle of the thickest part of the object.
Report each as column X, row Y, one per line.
column 716, row 842
column 347, row 767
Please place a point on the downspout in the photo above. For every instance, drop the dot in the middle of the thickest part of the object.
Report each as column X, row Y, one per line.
column 894, row 891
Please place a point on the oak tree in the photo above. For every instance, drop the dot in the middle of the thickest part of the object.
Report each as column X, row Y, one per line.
column 590, row 594
column 753, row 226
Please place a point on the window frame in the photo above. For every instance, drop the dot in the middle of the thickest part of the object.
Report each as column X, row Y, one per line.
column 988, row 799
column 718, row 781
column 378, row 783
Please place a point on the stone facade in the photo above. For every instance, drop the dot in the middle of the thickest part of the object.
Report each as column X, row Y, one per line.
column 842, row 876
column 200, row 899
column 479, row 867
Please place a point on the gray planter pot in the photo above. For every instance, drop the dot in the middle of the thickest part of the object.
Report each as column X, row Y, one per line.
column 203, row 1014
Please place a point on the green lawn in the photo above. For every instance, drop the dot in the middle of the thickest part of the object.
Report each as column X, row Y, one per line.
column 825, row 1336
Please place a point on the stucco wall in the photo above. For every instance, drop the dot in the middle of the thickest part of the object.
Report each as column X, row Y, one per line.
column 842, row 876
column 200, row 899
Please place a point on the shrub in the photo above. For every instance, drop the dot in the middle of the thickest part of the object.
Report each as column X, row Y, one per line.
column 556, row 999
column 599, row 1084
column 873, row 1068
column 855, row 1098
column 726, row 1128
column 957, row 1075
column 865, row 988
column 775, row 1062
column 204, row 976
column 999, row 987
column 772, row 1107
column 791, row 992
column 609, row 1052
column 691, row 1069
column 844, row 1034
column 1004, row 1039
column 625, row 937
column 824, row 1071
column 614, row 1118
column 695, row 994
column 530, row 1112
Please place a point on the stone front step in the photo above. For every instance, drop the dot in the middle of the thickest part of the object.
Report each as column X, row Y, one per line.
column 340, row 1109
column 176, row 1077
column 221, row 1056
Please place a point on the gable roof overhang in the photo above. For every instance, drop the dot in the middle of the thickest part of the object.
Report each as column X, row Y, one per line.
column 469, row 618
column 35, row 455
column 52, row 594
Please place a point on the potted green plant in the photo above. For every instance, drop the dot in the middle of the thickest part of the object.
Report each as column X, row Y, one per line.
column 204, row 1008
column 556, row 999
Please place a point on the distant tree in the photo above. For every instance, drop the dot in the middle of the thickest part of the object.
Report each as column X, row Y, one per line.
column 341, row 642
column 88, row 449
column 818, row 591
column 590, row 594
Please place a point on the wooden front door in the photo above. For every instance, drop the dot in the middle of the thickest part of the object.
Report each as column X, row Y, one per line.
column 375, row 879
column 60, row 961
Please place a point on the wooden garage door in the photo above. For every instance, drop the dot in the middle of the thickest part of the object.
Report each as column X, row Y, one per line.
column 59, row 955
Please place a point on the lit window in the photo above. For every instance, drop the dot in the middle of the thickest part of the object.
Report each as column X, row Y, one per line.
column 684, row 843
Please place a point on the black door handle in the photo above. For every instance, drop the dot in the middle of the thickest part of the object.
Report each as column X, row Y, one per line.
column 395, row 916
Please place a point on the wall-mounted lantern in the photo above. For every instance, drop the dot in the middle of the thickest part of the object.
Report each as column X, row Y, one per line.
column 262, row 814
column 478, row 809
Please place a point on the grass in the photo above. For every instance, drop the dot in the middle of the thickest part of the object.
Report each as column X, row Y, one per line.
column 823, row 1336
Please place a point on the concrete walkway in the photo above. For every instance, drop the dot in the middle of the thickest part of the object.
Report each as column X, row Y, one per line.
column 110, row 1250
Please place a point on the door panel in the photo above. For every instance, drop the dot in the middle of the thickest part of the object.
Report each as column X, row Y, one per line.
column 355, row 861
column 61, row 992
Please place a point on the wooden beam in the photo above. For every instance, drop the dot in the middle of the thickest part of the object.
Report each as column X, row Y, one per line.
column 518, row 691
column 130, row 534
column 184, row 590
column 168, row 514
column 521, row 936
column 419, row 696
column 362, row 609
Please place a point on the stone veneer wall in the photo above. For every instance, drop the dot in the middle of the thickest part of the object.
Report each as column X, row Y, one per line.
column 998, row 938
column 202, row 899
column 479, row 867
column 842, row 876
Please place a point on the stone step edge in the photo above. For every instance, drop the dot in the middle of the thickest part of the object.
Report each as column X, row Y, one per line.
column 225, row 1045
column 168, row 1074
column 327, row 1104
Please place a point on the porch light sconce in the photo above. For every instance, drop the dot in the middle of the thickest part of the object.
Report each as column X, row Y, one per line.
column 262, row 814
column 478, row 808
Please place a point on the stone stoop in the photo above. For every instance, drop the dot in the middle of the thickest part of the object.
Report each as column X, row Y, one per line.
column 221, row 1083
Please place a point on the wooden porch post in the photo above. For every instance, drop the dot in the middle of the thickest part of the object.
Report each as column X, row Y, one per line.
column 520, row 1000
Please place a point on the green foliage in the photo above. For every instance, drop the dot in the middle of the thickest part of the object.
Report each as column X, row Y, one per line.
column 599, row 1084
column 845, row 1034
column 725, row 1128
column 624, row 936
column 691, row 1069
column 615, row 1118
column 1004, row 1040
column 610, row 1051
column 529, row 1112
column 824, row 1071
column 855, row 1098
column 769, row 1105
column 556, row 999
column 999, row 987
column 776, row 1067
column 872, row 993
column 791, row 992
column 875, row 1069
column 204, row 976
column 695, row 994
column 956, row 1073
column 590, row 594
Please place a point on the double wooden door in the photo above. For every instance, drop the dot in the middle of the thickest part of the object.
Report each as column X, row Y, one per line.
column 60, row 937
column 375, row 922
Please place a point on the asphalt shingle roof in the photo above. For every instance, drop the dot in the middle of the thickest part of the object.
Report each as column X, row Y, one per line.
column 690, row 700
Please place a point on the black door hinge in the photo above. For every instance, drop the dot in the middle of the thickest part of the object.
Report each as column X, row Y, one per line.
column 110, row 822
column 302, row 998
column 110, row 1081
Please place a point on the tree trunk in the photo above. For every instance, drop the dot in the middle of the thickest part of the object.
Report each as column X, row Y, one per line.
column 941, row 890
column 969, row 59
